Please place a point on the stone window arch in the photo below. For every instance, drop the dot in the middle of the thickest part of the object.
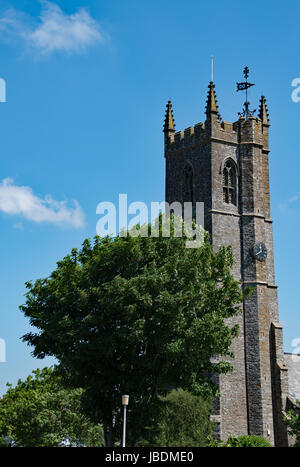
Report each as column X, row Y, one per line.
column 230, row 182
column 188, row 184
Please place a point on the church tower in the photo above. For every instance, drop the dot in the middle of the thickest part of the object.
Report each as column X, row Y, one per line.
column 226, row 166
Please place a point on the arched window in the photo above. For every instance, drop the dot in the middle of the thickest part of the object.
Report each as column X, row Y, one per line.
column 188, row 184
column 229, row 183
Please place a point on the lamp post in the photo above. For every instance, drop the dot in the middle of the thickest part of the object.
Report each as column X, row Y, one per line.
column 125, row 400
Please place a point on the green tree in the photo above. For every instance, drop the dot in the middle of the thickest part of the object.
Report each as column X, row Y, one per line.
column 40, row 412
column 4, row 442
column 182, row 420
column 134, row 315
column 292, row 421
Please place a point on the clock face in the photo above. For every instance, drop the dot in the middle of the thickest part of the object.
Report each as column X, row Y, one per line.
column 260, row 251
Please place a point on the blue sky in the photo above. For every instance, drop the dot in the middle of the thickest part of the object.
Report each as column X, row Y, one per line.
column 87, row 84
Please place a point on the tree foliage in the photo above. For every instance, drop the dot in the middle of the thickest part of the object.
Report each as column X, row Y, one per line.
column 40, row 412
column 292, row 421
column 250, row 441
column 182, row 420
column 135, row 315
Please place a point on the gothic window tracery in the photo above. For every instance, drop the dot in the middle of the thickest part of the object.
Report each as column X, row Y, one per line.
column 230, row 183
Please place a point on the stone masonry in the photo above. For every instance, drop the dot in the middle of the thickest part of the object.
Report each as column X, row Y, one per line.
column 226, row 166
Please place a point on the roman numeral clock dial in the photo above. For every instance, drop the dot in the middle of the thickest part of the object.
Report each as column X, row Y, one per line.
column 260, row 251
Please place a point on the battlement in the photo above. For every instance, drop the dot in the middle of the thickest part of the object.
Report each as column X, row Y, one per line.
column 251, row 130
column 199, row 133
column 254, row 130
column 188, row 137
column 227, row 126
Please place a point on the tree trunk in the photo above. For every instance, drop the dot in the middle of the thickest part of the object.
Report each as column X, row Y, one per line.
column 108, row 437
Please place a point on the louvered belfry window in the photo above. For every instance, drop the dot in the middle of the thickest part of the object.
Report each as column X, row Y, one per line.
column 229, row 183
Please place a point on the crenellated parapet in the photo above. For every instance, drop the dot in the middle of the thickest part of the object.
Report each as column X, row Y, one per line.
column 253, row 130
column 200, row 134
column 190, row 136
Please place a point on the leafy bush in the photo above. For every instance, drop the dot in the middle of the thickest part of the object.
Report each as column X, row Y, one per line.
column 182, row 420
column 41, row 412
column 4, row 442
column 250, row 441
column 292, row 421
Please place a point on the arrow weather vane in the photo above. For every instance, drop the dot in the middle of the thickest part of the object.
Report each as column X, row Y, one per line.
column 244, row 86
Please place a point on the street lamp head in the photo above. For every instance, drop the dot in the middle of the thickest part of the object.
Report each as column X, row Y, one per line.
column 125, row 400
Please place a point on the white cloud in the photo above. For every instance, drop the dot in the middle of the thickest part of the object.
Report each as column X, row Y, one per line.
column 295, row 198
column 20, row 200
column 54, row 30
column 18, row 226
column 291, row 200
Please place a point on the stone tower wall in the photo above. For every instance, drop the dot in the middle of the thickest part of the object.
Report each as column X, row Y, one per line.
column 253, row 394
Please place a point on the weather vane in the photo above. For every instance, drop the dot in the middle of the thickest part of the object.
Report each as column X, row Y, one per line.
column 244, row 86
